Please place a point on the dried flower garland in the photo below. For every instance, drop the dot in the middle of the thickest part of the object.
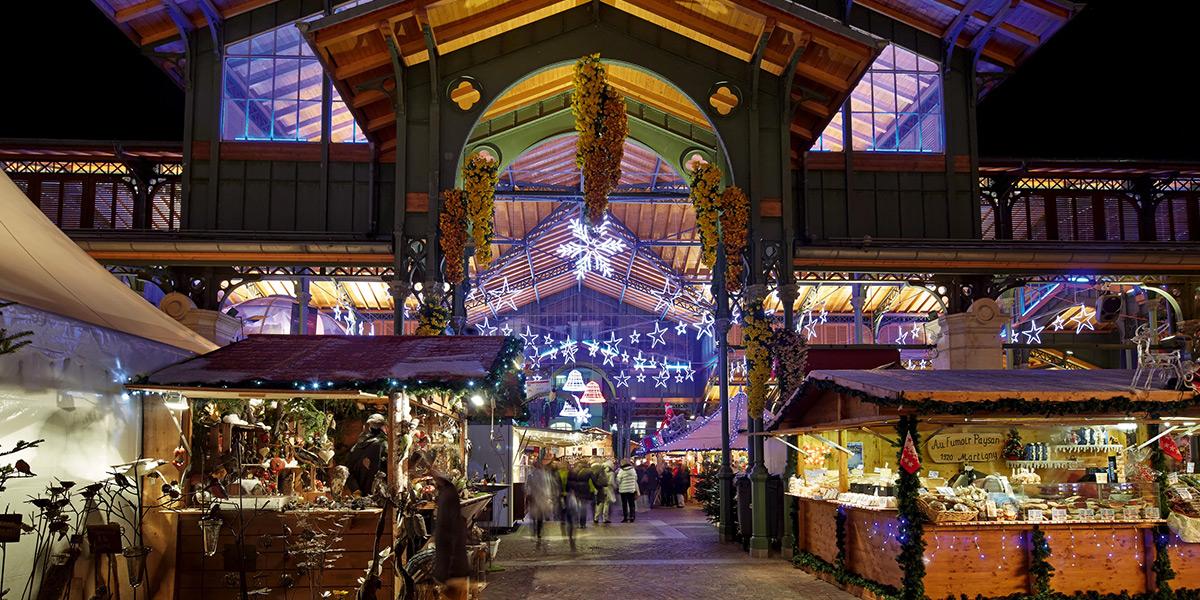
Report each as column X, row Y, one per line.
column 432, row 315
column 791, row 359
column 757, row 335
column 453, row 220
column 735, row 219
column 603, row 125
column 480, row 175
column 706, row 198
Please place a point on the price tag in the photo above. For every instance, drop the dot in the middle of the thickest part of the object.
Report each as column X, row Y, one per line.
column 1035, row 514
column 1058, row 514
column 1132, row 513
column 878, row 470
column 1183, row 492
column 1108, row 514
column 934, row 474
column 1102, row 477
column 1152, row 513
column 945, row 491
column 1172, row 478
column 1191, row 467
column 1087, row 514
column 885, row 475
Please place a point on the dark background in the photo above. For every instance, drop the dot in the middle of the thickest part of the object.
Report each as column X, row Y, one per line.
column 1119, row 81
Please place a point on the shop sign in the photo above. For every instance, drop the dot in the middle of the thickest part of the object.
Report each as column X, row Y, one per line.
column 534, row 387
column 966, row 447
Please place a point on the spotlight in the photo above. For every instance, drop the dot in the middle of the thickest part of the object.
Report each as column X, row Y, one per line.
column 477, row 400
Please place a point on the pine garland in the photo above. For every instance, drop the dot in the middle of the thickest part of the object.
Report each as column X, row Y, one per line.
column 911, row 533
column 480, row 175
column 453, row 220
column 840, row 535
column 11, row 342
column 706, row 199
column 1040, row 567
column 735, row 220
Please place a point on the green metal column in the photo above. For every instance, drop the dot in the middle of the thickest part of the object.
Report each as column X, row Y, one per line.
column 725, row 528
column 787, row 541
column 760, row 540
column 399, row 246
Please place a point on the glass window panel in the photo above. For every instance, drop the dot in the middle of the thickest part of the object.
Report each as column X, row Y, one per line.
column 261, row 78
column 233, row 119
column 258, row 120
column 1037, row 218
column 907, row 91
column 885, row 131
column 236, row 70
column 830, row 140
column 263, row 44
column 910, row 133
column 288, row 41
column 924, row 64
column 1085, row 222
column 287, row 78
column 310, row 122
column 883, row 93
column 886, row 60
column 102, row 212
column 241, row 48
column 905, row 60
column 285, row 119
column 931, row 133
column 123, row 207
column 1179, row 219
column 863, row 128
column 311, row 76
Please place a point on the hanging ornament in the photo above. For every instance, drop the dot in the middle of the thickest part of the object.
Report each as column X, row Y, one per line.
column 453, row 238
column 910, row 461
column 656, row 336
column 635, row 337
column 1170, row 448
column 1083, row 319
column 574, row 382
column 621, row 380
column 660, row 380
column 530, row 337
column 592, row 394
column 1033, row 335
column 592, row 249
column 681, row 328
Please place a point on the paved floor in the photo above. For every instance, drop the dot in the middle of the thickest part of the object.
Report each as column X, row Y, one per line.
column 667, row 554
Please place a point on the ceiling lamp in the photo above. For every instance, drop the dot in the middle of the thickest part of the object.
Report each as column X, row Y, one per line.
column 592, row 394
column 574, row 382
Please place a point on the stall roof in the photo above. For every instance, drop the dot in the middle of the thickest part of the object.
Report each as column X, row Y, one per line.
column 334, row 362
column 707, row 434
column 848, row 397
column 42, row 268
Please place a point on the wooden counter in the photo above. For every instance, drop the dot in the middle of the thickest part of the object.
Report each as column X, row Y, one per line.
column 201, row 577
column 992, row 558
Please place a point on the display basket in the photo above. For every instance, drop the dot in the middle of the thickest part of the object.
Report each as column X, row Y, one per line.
column 945, row 516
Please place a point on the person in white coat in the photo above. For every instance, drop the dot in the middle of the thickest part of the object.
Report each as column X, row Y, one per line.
column 627, row 485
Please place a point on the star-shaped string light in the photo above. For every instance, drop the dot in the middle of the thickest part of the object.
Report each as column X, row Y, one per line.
column 568, row 349
column 639, row 363
column 681, row 328
column 666, row 298
column 552, row 353
column 625, row 357
column 498, row 298
column 485, row 328
column 1033, row 335
column 506, row 330
column 530, row 337
column 641, row 377
column 660, row 380
column 705, row 326
column 533, row 361
column 903, row 336
column 679, row 376
column 1059, row 322
column 612, row 342
column 1083, row 318
column 736, row 315
column 635, row 337
column 621, row 380
column 689, row 372
column 547, row 340
column 591, row 249
column 609, row 355
column 593, row 347
column 917, row 330
column 656, row 336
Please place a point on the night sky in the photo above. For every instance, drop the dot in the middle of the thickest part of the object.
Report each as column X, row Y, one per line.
column 1116, row 82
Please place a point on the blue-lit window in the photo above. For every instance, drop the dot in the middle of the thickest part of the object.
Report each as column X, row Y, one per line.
column 272, row 92
column 897, row 107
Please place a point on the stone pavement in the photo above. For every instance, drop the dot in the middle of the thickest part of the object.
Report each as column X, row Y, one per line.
column 668, row 554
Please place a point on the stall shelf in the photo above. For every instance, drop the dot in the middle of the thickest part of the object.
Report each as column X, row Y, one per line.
column 968, row 413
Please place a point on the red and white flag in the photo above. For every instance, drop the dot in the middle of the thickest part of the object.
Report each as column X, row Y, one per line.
column 1169, row 447
column 909, row 459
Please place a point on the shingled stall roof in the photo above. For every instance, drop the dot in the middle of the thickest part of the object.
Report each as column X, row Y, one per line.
column 337, row 366
column 837, row 399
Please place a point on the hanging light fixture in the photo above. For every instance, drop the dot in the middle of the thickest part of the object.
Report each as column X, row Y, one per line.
column 592, row 395
column 574, row 382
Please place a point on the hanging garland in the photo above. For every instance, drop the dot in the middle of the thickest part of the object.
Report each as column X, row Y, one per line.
column 454, row 233
column 1163, row 573
column 433, row 316
column 707, row 201
column 1040, row 566
column 912, row 542
column 839, row 560
column 480, row 175
column 791, row 359
column 603, row 125
column 735, row 219
column 756, row 334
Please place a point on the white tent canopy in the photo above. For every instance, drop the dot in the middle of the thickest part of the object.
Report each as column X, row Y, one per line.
column 707, row 434
column 41, row 267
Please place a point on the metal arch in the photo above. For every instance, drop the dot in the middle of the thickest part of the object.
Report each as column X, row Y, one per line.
column 213, row 16
column 1170, row 300
column 954, row 29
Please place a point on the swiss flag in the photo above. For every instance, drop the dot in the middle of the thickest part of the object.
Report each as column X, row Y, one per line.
column 1169, row 448
column 909, row 459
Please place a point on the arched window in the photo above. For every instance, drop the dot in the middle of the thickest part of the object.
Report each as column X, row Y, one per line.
column 272, row 92
column 897, row 107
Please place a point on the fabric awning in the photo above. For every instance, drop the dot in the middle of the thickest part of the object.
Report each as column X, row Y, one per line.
column 706, row 435
column 42, row 268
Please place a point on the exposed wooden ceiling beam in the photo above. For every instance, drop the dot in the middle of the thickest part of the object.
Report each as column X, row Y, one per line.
column 699, row 25
column 142, row 9
column 362, row 65
column 983, row 17
column 908, row 19
column 486, row 19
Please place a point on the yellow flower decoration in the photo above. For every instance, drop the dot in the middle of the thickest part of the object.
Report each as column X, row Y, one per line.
column 480, row 175
column 735, row 218
column 706, row 198
column 603, row 125
column 432, row 316
column 756, row 334
column 453, row 221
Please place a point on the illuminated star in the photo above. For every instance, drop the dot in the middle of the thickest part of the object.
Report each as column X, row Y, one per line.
column 1059, row 322
column 609, row 355
column 547, row 340
column 593, row 347
column 689, row 372
column 529, row 336
column 533, row 361
column 917, row 330
column 641, row 377
column 635, row 337
column 660, row 380
column 656, row 336
column 903, row 336
column 485, row 328
column 506, row 330
column 666, row 298
column 552, row 353
column 705, row 326
column 612, row 342
column 1033, row 335
column 681, row 328
column 1084, row 318
column 737, row 315
column 679, row 376
column 810, row 329
column 624, row 357
column 568, row 349
column 622, row 380
column 640, row 363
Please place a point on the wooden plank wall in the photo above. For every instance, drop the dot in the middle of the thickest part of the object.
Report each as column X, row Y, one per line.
column 201, row 577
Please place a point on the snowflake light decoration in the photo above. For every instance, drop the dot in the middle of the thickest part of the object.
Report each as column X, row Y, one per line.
column 591, row 249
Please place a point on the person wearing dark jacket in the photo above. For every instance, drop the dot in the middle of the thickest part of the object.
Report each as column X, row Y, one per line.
column 650, row 484
column 666, row 486
column 450, row 566
column 579, row 481
column 683, row 481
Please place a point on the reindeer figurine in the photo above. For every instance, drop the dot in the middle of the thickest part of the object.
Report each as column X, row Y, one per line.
column 1154, row 365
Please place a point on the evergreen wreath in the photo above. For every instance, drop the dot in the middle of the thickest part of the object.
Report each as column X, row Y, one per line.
column 1040, row 567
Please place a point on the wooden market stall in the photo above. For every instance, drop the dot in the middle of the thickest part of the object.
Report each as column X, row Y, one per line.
column 317, row 426
column 700, row 444
column 1011, row 472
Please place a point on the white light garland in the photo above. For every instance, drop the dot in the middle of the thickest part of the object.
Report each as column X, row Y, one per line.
column 656, row 336
column 704, row 326
column 591, row 250
column 485, row 328
column 635, row 337
column 1033, row 335
column 621, row 380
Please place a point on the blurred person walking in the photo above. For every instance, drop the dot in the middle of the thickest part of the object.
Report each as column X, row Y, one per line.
column 627, row 484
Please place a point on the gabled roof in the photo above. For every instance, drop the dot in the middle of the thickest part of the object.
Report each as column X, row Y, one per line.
column 706, row 434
